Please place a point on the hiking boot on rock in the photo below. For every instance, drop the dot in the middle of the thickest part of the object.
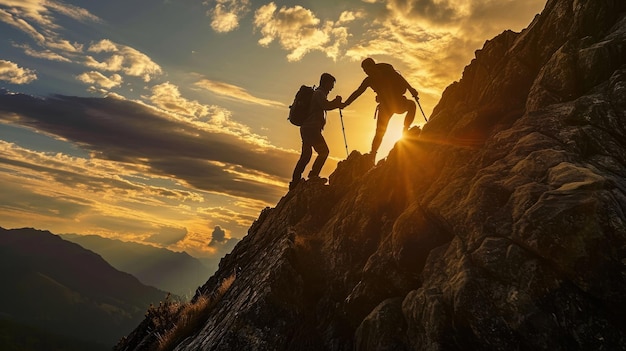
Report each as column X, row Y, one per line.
column 371, row 157
column 317, row 179
column 294, row 183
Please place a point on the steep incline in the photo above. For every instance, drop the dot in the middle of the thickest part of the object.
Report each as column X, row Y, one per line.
column 500, row 226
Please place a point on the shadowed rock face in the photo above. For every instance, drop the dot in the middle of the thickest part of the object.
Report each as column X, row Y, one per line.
column 499, row 226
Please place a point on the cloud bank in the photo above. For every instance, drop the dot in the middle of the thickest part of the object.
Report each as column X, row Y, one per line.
column 132, row 133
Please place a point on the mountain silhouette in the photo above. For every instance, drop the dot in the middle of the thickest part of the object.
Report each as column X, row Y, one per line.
column 175, row 272
column 58, row 287
column 499, row 226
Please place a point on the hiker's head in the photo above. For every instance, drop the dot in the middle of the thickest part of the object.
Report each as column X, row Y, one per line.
column 368, row 65
column 327, row 81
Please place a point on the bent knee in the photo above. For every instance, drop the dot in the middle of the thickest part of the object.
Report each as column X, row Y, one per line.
column 324, row 152
column 410, row 105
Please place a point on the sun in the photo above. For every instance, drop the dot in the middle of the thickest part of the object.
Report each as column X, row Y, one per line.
column 393, row 135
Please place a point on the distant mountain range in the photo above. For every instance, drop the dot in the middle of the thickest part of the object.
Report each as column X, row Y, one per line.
column 60, row 288
column 175, row 272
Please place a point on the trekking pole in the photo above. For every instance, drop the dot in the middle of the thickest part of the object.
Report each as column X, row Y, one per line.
column 420, row 106
column 344, row 132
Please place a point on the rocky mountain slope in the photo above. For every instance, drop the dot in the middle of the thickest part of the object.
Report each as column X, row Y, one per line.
column 500, row 226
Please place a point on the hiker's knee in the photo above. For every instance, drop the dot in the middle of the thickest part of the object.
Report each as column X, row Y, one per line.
column 321, row 148
column 411, row 106
column 306, row 153
column 323, row 151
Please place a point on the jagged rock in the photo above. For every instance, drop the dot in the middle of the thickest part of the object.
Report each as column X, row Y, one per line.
column 499, row 226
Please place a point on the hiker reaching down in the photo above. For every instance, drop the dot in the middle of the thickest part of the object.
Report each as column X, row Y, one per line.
column 311, row 131
column 390, row 87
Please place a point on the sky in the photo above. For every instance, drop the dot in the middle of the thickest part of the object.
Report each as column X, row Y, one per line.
column 165, row 121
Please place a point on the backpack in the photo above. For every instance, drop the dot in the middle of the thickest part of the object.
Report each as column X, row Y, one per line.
column 393, row 83
column 299, row 109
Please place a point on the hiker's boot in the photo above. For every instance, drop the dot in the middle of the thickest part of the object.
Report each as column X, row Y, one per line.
column 294, row 183
column 371, row 157
column 317, row 179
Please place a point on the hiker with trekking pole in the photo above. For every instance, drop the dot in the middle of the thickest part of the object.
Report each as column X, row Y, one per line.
column 313, row 119
column 390, row 88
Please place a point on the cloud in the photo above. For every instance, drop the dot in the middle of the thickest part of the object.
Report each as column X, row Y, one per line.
column 40, row 11
column 43, row 54
column 479, row 19
column 122, row 58
column 431, row 41
column 220, row 243
column 36, row 19
column 12, row 73
column 21, row 25
column 100, row 79
column 210, row 118
column 298, row 30
column 234, row 92
column 18, row 198
column 160, row 144
column 72, row 11
column 104, row 197
column 226, row 14
column 429, row 10
column 167, row 236
column 167, row 96
column 349, row 16
column 218, row 236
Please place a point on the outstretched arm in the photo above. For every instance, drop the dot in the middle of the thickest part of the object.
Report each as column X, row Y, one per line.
column 360, row 90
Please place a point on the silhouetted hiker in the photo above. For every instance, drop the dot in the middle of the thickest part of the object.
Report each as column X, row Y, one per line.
column 311, row 131
column 390, row 87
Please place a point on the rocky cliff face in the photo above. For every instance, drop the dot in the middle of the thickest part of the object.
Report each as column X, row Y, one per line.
column 501, row 226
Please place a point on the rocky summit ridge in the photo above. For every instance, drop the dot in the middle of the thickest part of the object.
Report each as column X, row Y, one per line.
column 499, row 226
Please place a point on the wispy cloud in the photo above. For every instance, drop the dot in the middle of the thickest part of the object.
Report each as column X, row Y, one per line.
column 36, row 18
column 234, row 92
column 208, row 118
column 12, row 73
column 45, row 54
column 71, row 11
column 167, row 96
column 22, row 25
column 122, row 58
column 100, row 79
column 226, row 14
column 167, row 236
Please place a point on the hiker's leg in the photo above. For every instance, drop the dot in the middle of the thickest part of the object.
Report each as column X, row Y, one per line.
column 410, row 114
column 384, row 115
column 322, row 154
column 305, row 157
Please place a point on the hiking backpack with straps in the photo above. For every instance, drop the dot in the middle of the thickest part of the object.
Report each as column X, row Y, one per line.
column 392, row 82
column 299, row 109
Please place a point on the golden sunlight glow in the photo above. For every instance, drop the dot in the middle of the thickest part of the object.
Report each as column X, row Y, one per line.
column 392, row 136
column 205, row 138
